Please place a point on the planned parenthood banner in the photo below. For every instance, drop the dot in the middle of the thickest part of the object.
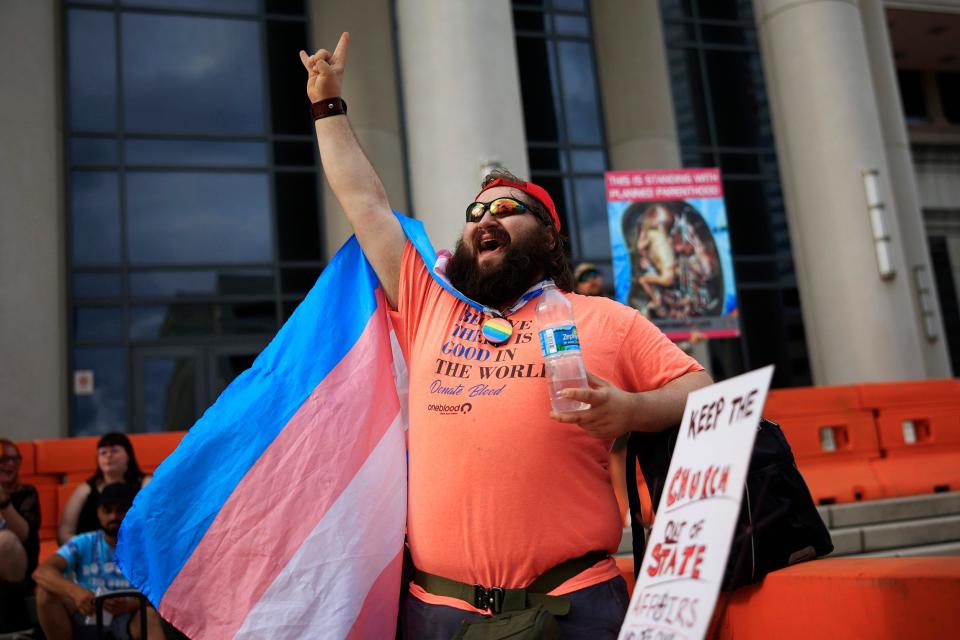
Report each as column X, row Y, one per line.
column 687, row 551
column 671, row 250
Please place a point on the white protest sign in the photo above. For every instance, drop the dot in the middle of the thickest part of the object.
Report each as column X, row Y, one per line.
column 686, row 555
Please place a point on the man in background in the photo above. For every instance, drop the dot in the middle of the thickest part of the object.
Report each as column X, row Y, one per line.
column 588, row 281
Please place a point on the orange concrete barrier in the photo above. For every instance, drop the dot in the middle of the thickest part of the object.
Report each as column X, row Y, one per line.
column 833, row 438
column 912, row 598
column 66, row 455
column 28, row 464
column 918, row 424
column 49, row 510
column 153, row 448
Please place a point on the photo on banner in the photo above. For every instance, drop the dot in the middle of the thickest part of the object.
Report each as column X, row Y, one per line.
column 671, row 250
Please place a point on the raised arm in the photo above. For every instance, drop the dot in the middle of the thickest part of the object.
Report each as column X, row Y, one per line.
column 351, row 176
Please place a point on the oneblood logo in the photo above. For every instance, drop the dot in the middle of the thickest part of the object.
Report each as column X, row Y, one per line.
column 450, row 409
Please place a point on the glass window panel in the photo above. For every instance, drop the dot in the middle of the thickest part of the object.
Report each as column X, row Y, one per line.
column 571, row 25
column 195, row 153
column 96, row 285
column 106, row 409
column 198, row 218
column 579, row 82
column 163, row 284
column 94, row 217
column 289, row 306
column 288, row 105
column 679, row 32
column 676, row 9
column 727, row 35
column 95, row 324
column 169, row 393
column 912, row 95
column 293, row 153
column 228, row 367
column 248, row 318
column 298, row 224
column 589, row 161
column 571, row 5
column 724, row 9
column 748, row 216
column 286, row 7
column 689, row 98
column 529, row 20
column 299, row 280
column 541, row 158
column 735, row 97
column 93, row 150
column 171, row 321
column 948, row 84
column 540, row 100
column 208, row 78
column 593, row 228
column 743, row 163
column 92, row 70
column 213, row 6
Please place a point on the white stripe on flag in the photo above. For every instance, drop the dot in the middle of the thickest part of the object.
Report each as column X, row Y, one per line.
column 321, row 590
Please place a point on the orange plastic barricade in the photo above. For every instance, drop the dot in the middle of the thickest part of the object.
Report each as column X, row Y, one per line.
column 833, row 439
column 49, row 510
column 625, row 565
column 28, row 465
column 48, row 548
column 912, row 598
column 64, row 491
column 918, row 423
column 66, row 455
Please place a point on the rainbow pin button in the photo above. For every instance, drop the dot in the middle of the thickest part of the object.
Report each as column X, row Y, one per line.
column 497, row 330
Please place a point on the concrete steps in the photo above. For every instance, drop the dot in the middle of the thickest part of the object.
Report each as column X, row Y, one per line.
column 915, row 526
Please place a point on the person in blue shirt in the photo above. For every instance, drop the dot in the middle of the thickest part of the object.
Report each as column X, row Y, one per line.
column 69, row 580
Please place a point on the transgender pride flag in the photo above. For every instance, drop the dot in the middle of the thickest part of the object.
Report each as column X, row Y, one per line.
column 282, row 512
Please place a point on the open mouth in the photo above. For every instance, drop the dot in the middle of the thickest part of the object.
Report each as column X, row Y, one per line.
column 490, row 244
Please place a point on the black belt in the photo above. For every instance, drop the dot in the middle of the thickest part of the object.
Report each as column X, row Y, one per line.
column 498, row 599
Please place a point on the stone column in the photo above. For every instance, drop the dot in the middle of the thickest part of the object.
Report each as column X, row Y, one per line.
column 33, row 392
column 635, row 89
column 903, row 181
column 828, row 129
column 635, row 85
column 370, row 89
column 461, row 93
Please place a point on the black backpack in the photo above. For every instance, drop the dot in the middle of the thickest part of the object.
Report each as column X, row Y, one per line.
column 778, row 523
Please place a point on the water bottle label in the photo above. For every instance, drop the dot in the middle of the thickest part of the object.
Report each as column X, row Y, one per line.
column 559, row 340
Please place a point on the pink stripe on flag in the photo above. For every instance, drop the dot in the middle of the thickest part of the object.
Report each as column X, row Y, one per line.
column 378, row 616
column 288, row 490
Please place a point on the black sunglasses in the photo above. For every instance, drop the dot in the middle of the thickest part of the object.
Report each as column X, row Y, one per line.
column 499, row 208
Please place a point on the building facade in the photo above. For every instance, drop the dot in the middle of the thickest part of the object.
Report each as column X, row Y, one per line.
column 163, row 208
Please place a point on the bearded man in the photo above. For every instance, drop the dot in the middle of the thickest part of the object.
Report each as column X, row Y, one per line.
column 509, row 505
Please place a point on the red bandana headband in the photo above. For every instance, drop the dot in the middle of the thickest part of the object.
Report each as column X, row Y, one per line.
column 534, row 191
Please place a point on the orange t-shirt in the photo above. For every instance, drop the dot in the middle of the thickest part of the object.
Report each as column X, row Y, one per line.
column 498, row 492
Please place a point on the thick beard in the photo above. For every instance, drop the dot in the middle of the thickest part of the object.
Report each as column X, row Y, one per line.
column 497, row 286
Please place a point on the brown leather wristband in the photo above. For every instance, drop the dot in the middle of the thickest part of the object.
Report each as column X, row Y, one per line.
column 328, row 107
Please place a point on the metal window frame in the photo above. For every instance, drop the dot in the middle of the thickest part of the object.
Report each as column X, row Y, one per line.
column 121, row 168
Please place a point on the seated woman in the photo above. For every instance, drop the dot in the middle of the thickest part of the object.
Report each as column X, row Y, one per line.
column 19, row 540
column 116, row 462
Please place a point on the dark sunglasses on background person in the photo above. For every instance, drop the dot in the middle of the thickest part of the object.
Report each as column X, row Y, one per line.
column 499, row 208
column 586, row 275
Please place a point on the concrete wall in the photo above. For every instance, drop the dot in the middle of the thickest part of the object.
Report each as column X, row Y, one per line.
column 373, row 99
column 33, row 399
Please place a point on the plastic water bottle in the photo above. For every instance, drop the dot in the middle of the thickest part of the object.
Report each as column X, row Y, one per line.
column 560, row 346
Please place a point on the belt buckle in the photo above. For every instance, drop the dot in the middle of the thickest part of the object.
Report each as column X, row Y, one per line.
column 488, row 599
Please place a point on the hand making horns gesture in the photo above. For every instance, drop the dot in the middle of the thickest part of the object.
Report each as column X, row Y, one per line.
column 325, row 70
